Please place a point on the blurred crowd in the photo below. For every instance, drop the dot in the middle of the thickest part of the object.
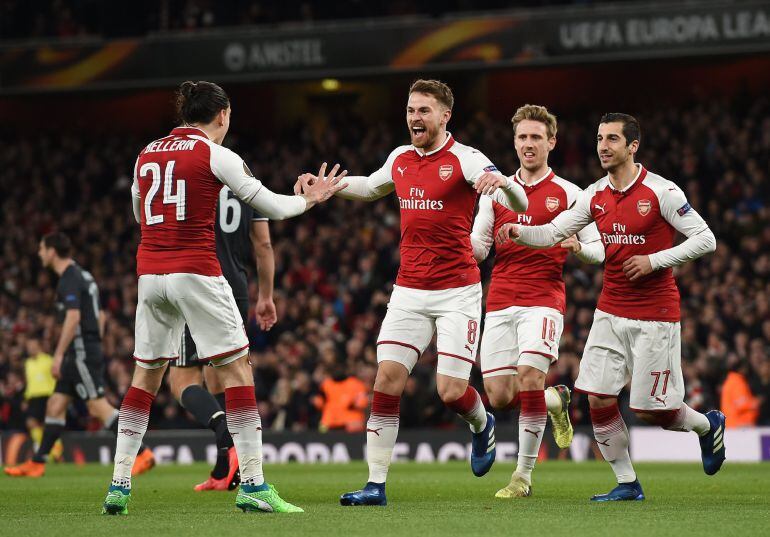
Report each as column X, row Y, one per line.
column 25, row 19
column 335, row 266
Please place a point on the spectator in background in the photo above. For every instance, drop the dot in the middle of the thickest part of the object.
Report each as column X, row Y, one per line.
column 740, row 406
column 343, row 400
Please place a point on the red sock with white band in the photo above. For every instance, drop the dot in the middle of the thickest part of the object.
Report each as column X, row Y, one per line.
column 381, row 433
column 612, row 437
column 245, row 427
column 132, row 424
column 470, row 408
column 532, row 421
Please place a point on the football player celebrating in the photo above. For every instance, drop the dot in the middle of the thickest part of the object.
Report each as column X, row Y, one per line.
column 635, row 333
column 177, row 180
column 526, row 299
column 437, row 181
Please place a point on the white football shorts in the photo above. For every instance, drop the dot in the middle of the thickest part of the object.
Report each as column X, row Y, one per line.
column 520, row 335
column 205, row 303
column 648, row 353
column 415, row 314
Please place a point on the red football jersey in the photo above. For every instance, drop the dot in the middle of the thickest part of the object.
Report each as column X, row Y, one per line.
column 524, row 276
column 437, row 200
column 177, row 181
column 642, row 219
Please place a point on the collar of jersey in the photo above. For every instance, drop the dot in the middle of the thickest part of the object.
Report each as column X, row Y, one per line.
column 640, row 175
column 189, row 130
column 547, row 177
column 446, row 145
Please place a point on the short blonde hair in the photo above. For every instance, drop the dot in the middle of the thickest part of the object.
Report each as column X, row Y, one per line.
column 535, row 112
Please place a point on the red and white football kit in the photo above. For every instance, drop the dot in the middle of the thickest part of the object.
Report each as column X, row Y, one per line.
column 526, row 299
column 177, row 180
column 635, row 334
column 438, row 287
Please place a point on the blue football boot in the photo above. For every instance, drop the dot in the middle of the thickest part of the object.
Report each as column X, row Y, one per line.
column 624, row 492
column 371, row 494
column 712, row 445
column 483, row 449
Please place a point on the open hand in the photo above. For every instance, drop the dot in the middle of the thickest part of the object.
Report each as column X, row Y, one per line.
column 321, row 187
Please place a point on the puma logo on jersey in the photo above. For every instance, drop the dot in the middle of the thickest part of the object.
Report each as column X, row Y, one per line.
column 375, row 431
column 662, row 400
column 548, row 345
column 535, row 433
column 128, row 432
column 401, row 170
column 469, row 349
column 599, row 207
column 604, row 442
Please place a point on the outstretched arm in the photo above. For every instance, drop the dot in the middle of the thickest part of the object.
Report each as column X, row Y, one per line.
column 233, row 172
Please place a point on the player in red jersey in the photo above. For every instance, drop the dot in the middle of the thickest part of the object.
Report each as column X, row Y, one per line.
column 526, row 299
column 635, row 333
column 437, row 181
column 177, row 181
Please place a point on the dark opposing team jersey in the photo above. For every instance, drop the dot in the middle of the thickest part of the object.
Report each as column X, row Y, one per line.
column 233, row 239
column 78, row 290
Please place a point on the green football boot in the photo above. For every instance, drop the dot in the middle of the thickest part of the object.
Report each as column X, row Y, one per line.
column 116, row 502
column 265, row 498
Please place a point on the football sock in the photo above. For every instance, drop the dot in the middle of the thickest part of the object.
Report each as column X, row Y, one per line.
column 381, row 433
column 470, row 408
column 220, row 397
column 112, row 425
column 552, row 401
column 132, row 424
column 51, row 433
column 612, row 437
column 245, row 427
column 531, row 426
column 205, row 407
column 686, row 419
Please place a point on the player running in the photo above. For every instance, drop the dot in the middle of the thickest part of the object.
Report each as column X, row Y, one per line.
column 177, row 180
column 526, row 299
column 635, row 333
column 437, row 181
column 239, row 230
column 78, row 363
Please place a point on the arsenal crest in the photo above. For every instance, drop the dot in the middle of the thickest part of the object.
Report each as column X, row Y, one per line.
column 551, row 204
column 644, row 206
column 445, row 171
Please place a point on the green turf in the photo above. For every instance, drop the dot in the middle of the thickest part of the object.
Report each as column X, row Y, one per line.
column 425, row 500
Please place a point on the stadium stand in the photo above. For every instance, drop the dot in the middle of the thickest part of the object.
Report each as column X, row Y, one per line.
column 335, row 266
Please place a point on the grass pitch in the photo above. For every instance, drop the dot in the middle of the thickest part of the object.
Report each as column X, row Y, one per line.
column 424, row 500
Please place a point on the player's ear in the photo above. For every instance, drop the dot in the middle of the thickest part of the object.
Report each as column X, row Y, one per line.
column 446, row 115
column 633, row 147
column 551, row 143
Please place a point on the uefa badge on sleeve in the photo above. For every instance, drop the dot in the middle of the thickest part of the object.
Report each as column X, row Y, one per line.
column 644, row 207
column 551, row 204
column 445, row 171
